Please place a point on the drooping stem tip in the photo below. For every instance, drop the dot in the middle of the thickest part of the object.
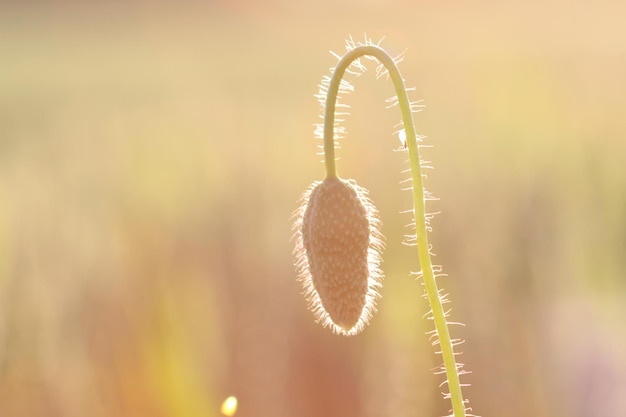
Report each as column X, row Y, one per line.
column 419, row 200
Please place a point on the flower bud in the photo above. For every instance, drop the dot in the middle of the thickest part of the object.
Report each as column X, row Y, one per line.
column 338, row 254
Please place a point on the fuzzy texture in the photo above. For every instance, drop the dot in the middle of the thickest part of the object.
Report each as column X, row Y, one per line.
column 338, row 244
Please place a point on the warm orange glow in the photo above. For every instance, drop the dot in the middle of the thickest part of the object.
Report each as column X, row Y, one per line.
column 151, row 155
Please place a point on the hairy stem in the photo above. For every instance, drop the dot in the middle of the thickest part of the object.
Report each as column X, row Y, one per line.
column 419, row 201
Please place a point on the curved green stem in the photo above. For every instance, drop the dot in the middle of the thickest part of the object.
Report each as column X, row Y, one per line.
column 419, row 201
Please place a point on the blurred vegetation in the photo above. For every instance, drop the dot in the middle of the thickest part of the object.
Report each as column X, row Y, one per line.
column 151, row 156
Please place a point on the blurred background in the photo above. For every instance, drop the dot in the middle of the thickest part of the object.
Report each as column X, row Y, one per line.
column 152, row 155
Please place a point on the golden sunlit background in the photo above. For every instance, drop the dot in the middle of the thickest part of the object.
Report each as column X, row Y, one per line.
column 151, row 157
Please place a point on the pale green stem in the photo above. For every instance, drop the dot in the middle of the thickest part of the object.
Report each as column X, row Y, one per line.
column 419, row 201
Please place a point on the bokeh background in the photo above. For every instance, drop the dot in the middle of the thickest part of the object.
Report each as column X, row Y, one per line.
column 152, row 154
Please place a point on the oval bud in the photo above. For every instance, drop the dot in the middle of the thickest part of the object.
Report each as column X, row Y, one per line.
column 338, row 254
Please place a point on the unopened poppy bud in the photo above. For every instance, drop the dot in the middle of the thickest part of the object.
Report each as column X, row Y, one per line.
column 338, row 253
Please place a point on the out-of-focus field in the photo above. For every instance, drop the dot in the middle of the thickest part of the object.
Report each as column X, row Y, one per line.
column 151, row 157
